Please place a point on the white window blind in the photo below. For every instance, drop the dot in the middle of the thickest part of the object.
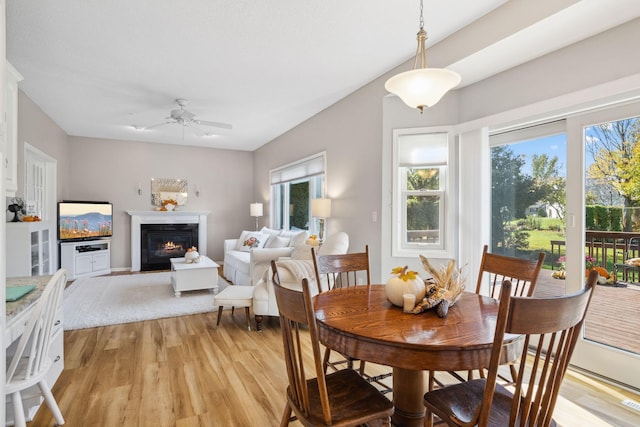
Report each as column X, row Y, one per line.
column 426, row 149
column 527, row 133
column 306, row 168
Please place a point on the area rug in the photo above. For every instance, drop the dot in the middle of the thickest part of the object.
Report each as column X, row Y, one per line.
column 112, row 300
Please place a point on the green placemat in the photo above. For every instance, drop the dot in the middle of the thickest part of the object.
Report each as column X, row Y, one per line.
column 14, row 293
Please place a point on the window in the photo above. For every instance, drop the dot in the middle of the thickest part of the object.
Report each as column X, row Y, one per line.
column 422, row 193
column 292, row 188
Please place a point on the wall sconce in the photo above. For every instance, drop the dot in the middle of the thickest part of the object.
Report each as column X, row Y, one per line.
column 139, row 189
column 255, row 209
column 197, row 192
column 321, row 209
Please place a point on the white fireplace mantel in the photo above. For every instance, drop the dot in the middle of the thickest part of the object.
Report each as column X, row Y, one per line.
column 163, row 217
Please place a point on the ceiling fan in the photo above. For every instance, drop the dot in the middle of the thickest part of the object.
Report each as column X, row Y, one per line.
column 186, row 118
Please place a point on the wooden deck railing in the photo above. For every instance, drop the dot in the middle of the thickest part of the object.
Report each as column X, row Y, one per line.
column 606, row 247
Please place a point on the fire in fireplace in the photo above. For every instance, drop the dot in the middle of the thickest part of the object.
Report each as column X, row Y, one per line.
column 161, row 242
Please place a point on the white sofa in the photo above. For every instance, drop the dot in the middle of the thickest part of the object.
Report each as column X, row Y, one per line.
column 245, row 265
column 264, row 299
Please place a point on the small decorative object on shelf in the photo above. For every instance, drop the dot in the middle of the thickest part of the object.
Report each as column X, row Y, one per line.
column 192, row 255
column 169, row 205
column 405, row 282
column 443, row 288
column 16, row 206
column 312, row 240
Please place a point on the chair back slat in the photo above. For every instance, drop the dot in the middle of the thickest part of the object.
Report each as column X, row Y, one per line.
column 521, row 273
column 36, row 339
column 551, row 328
column 344, row 270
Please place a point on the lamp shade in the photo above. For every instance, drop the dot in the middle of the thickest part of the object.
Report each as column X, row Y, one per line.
column 255, row 209
column 321, row 208
column 422, row 87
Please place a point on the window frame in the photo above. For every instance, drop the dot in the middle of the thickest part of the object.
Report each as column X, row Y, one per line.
column 307, row 169
column 445, row 248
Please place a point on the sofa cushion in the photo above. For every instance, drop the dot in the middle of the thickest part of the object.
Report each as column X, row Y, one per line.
column 271, row 234
column 238, row 260
column 250, row 240
column 302, row 252
column 277, row 242
column 297, row 237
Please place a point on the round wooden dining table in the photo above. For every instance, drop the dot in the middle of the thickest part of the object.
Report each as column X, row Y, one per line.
column 361, row 323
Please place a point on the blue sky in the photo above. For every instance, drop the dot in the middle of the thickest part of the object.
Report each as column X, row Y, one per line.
column 552, row 146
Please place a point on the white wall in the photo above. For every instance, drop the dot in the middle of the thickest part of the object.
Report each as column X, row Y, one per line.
column 37, row 129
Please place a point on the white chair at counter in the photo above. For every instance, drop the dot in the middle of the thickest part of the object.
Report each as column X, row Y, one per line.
column 31, row 362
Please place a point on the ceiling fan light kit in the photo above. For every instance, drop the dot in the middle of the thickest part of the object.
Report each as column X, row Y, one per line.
column 422, row 87
column 186, row 118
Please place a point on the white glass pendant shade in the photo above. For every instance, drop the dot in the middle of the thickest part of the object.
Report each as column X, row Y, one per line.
column 422, row 87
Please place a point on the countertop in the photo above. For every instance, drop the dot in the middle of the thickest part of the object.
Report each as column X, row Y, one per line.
column 16, row 307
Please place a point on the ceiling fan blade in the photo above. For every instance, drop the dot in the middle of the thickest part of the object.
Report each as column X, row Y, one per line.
column 157, row 124
column 215, row 124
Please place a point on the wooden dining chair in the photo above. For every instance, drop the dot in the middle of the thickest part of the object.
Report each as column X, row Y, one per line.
column 341, row 398
column 30, row 363
column 344, row 270
column 337, row 271
column 521, row 273
column 550, row 328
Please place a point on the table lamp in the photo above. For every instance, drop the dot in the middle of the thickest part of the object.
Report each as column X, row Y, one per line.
column 321, row 209
column 255, row 209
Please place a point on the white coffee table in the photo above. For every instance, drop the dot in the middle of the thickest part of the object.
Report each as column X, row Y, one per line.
column 194, row 276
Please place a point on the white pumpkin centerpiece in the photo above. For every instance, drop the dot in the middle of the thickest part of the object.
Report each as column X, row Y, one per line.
column 312, row 240
column 405, row 282
column 192, row 255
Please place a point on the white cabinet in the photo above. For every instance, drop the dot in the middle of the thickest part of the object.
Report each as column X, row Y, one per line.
column 84, row 259
column 12, row 77
column 29, row 249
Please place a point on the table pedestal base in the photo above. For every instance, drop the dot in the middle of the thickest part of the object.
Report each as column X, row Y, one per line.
column 409, row 406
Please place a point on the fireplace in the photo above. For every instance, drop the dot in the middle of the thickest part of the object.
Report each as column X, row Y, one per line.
column 173, row 218
column 161, row 242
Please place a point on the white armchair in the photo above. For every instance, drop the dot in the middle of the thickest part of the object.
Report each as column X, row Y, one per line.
column 264, row 299
column 246, row 268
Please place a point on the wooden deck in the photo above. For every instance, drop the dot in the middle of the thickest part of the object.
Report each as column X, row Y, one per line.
column 614, row 314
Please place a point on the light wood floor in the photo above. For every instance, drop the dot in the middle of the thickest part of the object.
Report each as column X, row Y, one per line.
column 184, row 372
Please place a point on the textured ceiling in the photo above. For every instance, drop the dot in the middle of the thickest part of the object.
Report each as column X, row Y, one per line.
column 99, row 67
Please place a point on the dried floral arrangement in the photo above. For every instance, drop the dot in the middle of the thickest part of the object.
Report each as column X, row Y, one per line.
column 444, row 287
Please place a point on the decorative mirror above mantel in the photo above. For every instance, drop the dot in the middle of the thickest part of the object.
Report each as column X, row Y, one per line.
column 169, row 189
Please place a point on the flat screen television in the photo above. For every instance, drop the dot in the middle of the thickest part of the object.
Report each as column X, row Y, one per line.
column 84, row 220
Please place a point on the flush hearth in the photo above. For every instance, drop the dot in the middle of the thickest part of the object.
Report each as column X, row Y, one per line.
column 161, row 242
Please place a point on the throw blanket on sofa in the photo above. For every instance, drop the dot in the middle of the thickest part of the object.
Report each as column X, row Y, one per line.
column 297, row 269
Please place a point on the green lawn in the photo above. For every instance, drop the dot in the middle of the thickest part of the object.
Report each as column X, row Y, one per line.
column 540, row 239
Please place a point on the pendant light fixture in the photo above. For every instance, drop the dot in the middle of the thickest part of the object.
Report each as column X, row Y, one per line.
column 422, row 87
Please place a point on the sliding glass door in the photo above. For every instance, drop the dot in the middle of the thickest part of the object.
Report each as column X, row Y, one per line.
column 572, row 189
column 604, row 206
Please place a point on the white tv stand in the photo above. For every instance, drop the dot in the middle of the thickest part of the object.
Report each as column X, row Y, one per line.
column 86, row 258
